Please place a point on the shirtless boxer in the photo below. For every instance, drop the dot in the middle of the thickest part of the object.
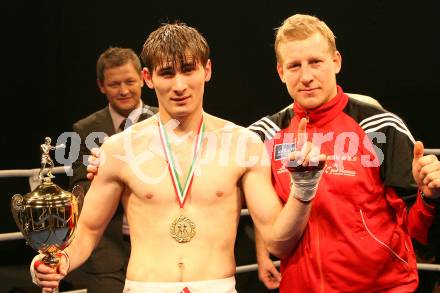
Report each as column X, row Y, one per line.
column 181, row 176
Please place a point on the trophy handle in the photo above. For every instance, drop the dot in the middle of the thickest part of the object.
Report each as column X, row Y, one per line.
column 17, row 209
column 78, row 191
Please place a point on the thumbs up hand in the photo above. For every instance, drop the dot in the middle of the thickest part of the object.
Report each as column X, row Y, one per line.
column 426, row 172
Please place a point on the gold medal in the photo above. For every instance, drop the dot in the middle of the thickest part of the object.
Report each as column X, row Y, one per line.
column 183, row 229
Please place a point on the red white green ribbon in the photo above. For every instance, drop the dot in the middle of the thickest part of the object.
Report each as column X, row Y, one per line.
column 181, row 192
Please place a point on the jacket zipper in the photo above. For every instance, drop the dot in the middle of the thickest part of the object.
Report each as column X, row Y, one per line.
column 318, row 244
column 307, row 117
column 318, row 258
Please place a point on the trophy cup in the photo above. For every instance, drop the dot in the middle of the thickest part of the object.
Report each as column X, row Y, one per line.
column 47, row 216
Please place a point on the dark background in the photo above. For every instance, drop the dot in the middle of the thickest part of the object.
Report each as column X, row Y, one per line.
column 390, row 51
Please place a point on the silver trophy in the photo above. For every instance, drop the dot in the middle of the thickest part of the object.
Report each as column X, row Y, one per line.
column 47, row 216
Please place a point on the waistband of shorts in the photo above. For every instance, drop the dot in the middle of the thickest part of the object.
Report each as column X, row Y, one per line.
column 202, row 282
column 215, row 285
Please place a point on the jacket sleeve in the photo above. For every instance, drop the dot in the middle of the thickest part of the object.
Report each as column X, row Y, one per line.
column 78, row 167
column 396, row 172
column 396, row 168
column 420, row 218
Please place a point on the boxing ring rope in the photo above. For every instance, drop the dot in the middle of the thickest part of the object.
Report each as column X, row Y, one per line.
column 32, row 174
column 432, row 152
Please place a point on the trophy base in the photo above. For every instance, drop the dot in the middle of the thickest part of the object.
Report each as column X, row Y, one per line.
column 51, row 260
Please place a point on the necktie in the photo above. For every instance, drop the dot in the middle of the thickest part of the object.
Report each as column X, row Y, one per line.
column 125, row 124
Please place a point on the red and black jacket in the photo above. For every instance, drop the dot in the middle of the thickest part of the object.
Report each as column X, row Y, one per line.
column 358, row 235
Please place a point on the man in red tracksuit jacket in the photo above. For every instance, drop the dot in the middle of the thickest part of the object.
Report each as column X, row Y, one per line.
column 358, row 237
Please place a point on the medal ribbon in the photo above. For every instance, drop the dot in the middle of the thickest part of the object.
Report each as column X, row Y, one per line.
column 181, row 192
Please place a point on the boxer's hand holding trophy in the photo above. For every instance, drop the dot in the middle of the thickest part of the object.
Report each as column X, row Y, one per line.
column 47, row 216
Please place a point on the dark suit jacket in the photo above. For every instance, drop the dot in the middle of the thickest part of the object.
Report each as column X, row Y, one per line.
column 112, row 253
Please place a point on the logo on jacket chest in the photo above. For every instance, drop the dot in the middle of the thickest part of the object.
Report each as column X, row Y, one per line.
column 342, row 165
column 282, row 151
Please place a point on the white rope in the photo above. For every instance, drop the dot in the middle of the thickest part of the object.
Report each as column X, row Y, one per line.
column 32, row 172
column 11, row 236
column 432, row 151
column 428, row 267
column 252, row 267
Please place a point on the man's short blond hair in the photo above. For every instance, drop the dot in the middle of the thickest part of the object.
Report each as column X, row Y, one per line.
column 301, row 27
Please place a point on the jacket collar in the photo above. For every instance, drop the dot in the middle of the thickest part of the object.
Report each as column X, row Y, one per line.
column 325, row 113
